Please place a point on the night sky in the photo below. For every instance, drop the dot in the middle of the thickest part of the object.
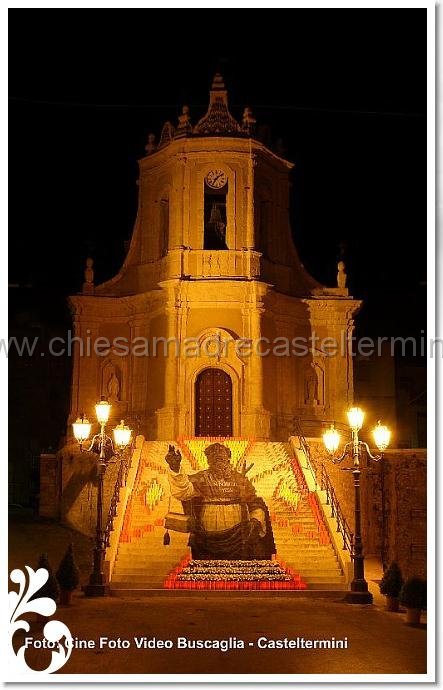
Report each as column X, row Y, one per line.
column 344, row 89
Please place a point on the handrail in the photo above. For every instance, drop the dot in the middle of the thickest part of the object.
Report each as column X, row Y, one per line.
column 336, row 511
column 115, row 498
column 306, row 450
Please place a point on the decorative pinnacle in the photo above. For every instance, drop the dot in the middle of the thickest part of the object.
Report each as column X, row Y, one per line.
column 217, row 83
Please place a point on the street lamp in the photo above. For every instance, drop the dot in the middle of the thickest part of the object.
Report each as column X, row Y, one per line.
column 82, row 430
column 102, row 446
column 359, row 593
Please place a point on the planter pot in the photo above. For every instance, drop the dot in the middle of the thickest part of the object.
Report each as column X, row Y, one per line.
column 413, row 616
column 65, row 597
column 392, row 603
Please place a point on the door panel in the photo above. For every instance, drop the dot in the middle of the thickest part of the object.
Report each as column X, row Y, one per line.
column 213, row 400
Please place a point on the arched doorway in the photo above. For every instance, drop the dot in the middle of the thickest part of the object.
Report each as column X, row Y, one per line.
column 213, row 403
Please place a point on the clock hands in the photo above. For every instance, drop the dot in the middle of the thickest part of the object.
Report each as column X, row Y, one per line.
column 216, row 178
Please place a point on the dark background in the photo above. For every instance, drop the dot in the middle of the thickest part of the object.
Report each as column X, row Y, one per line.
column 344, row 89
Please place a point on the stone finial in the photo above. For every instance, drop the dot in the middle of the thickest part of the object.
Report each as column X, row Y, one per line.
column 184, row 123
column 88, row 285
column 150, row 146
column 341, row 275
column 248, row 121
column 167, row 134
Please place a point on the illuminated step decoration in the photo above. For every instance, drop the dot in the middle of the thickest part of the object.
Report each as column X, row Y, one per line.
column 288, row 492
column 232, row 575
column 154, row 493
column 194, row 449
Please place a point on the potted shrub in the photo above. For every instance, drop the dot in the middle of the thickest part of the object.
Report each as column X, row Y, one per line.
column 390, row 585
column 68, row 576
column 413, row 597
column 50, row 588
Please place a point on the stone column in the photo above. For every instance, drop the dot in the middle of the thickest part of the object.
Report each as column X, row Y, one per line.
column 138, row 374
column 84, row 373
column 256, row 366
column 167, row 416
column 249, row 241
column 256, row 418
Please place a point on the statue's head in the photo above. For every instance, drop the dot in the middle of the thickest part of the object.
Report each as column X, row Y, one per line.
column 219, row 457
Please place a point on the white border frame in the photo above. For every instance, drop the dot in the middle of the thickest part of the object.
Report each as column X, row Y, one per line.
column 370, row 680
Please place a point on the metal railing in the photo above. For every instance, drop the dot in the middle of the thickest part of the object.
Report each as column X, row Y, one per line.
column 312, row 466
column 336, row 511
column 115, row 498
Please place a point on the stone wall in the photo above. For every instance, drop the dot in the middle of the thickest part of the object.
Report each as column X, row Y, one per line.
column 396, row 494
column 49, row 503
column 393, row 502
column 68, row 488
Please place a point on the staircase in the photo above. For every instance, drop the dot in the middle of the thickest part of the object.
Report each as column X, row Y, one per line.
column 143, row 562
column 296, row 530
column 303, row 543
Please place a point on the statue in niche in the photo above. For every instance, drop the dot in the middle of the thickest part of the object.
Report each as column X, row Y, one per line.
column 311, row 386
column 113, row 386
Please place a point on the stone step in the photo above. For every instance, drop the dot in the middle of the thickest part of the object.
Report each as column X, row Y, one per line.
column 323, row 581
column 150, row 563
column 327, row 586
column 308, row 553
column 153, row 557
column 322, row 572
column 127, row 590
column 143, row 544
column 282, row 543
column 152, row 568
column 314, row 592
column 319, row 562
column 132, row 584
column 303, row 546
column 319, row 552
column 140, row 573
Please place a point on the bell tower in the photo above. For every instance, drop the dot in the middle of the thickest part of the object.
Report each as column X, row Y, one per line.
column 212, row 284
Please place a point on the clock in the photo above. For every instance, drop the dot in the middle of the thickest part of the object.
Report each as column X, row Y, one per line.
column 216, row 179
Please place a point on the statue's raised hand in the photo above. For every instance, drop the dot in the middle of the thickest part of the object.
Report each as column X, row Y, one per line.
column 173, row 458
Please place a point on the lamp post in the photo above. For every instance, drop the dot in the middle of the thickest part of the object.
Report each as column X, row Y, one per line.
column 359, row 593
column 103, row 446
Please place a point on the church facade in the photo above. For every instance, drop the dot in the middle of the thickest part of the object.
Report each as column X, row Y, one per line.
column 213, row 327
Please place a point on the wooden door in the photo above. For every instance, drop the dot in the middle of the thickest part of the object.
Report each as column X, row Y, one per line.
column 213, row 401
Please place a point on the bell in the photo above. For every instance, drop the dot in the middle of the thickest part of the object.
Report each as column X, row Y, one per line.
column 215, row 216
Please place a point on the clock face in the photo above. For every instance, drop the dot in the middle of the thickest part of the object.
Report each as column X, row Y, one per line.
column 216, row 179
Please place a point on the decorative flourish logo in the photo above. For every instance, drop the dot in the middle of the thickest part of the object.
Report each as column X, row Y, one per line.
column 21, row 603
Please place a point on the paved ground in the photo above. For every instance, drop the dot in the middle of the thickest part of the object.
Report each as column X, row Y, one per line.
column 378, row 641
